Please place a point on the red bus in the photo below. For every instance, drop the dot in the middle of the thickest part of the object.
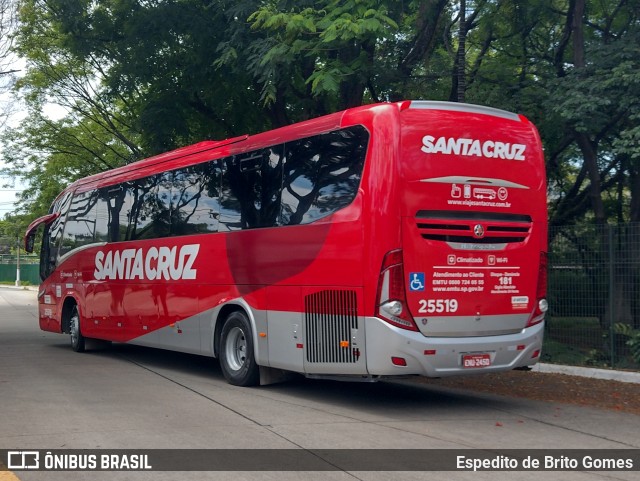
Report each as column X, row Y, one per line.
column 392, row 239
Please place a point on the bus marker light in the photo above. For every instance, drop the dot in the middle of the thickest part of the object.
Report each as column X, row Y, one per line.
column 430, row 352
column 391, row 297
column 262, row 334
column 299, row 346
column 344, row 343
column 521, row 347
column 399, row 361
column 535, row 354
column 393, row 307
column 543, row 305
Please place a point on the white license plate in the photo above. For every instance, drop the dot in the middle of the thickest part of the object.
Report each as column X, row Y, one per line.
column 476, row 360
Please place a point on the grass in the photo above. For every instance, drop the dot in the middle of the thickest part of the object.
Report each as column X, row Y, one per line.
column 581, row 341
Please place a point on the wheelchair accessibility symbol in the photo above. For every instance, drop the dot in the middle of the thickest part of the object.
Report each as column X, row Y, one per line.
column 416, row 281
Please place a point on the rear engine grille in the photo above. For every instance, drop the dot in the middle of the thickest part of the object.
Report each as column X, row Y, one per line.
column 473, row 227
column 329, row 318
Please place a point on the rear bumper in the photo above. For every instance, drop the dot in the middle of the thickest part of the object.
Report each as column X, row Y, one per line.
column 385, row 341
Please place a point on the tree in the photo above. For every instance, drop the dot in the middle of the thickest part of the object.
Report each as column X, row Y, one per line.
column 7, row 70
column 138, row 78
column 309, row 58
column 595, row 97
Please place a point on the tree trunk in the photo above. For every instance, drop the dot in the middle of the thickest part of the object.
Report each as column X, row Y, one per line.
column 590, row 156
column 578, row 35
column 461, row 58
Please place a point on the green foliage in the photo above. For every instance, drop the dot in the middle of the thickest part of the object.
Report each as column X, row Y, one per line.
column 606, row 90
column 633, row 340
column 323, row 45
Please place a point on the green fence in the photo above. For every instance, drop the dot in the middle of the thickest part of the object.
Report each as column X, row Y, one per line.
column 29, row 269
column 594, row 296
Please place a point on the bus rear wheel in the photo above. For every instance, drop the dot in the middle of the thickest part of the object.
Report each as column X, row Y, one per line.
column 237, row 358
column 77, row 339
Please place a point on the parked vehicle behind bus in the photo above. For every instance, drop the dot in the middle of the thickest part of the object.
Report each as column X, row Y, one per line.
column 387, row 240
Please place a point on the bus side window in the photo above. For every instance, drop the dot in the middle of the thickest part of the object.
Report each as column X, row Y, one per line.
column 322, row 174
column 45, row 253
column 147, row 213
column 251, row 189
column 79, row 227
column 55, row 234
column 111, row 202
column 195, row 203
column 101, row 233
column 158, row 204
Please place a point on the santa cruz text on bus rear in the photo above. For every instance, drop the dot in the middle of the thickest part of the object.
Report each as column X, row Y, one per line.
column 387, row 240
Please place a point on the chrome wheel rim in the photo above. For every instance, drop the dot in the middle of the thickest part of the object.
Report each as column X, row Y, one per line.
column 236, row 348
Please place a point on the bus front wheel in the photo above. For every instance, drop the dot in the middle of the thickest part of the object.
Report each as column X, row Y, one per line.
column 77, row 339
column 237, row 358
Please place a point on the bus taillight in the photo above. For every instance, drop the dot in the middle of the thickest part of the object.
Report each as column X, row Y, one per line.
column 542, row 305
column 391, row 299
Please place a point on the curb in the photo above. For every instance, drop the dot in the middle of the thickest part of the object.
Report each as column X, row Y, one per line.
column 19, row 288
column 590, row 372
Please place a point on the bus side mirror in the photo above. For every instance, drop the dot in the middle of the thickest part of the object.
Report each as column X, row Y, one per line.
column 29, row 241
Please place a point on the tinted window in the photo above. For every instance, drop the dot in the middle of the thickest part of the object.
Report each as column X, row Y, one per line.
column 124, row 198
column 290, row 184
column 101, row 233
column 195, row 203
column 148, row 207
column 158, row 204
column 52, row 237
column 111, row 207
column 80, row 225
column 322, row 174
column 55, row 230
column 251, row 190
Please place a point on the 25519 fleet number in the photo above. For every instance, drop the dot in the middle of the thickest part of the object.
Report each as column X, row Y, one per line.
column 433, row 306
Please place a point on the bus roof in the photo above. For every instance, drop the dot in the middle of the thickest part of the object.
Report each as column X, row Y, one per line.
column 179, row 153
column 209, row 150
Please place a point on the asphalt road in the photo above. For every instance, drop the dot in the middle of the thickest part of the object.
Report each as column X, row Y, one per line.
column 137, row 398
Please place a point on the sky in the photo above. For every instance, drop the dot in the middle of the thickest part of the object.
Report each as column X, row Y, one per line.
column 9, row 188
column 7, row 197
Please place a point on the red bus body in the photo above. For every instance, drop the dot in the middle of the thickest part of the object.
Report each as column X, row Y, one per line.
column 435, row 266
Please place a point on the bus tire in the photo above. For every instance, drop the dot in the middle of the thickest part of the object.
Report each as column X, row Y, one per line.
column 237, row 358
column 77, row 339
